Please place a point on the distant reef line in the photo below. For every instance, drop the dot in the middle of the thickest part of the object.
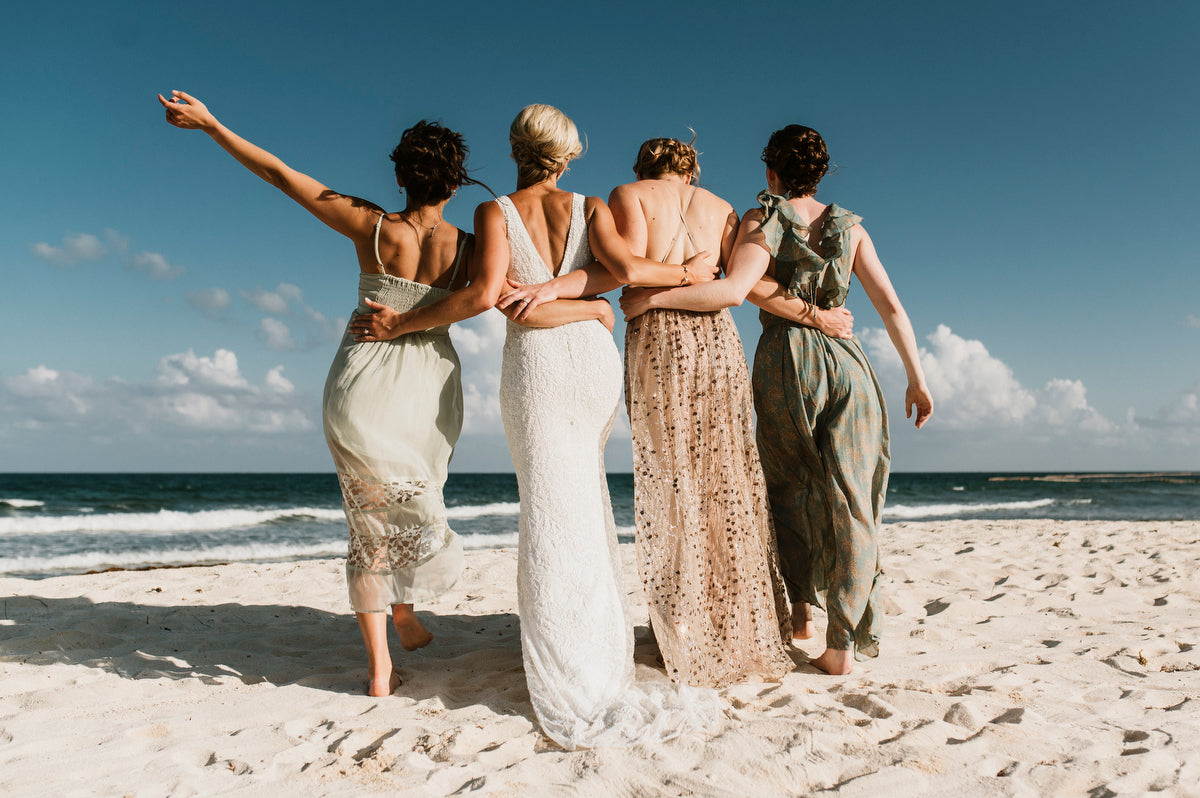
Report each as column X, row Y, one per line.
column 1180, row 477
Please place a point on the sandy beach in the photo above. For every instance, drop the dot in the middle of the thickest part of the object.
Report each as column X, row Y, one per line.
column 1027, row 658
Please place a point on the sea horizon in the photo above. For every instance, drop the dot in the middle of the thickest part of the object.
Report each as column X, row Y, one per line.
column 55, row 523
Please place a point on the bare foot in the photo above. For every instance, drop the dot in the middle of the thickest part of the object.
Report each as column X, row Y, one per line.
column 834, row 661
column 413, row 634
column 379, row 686
column 802, row 622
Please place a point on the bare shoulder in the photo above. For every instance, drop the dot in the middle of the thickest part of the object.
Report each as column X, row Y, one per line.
column 593, row 205
column 712, row 203
column 488, row 209
column 624, row 193
column 752, row 216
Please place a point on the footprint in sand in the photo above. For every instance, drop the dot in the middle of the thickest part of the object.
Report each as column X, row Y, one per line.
column 869, row 705
column 1014, row 715
column 936, row 606
column 964, row 716
column 234, row 766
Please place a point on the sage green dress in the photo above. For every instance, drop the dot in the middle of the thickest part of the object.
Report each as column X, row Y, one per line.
column 393, row 411
column 822, row 434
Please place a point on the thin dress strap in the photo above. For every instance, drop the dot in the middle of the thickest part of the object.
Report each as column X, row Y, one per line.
column 458, row 256
column 683, row 227
column 378, row 260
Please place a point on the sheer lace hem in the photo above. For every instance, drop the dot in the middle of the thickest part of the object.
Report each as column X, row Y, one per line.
column 400, row 547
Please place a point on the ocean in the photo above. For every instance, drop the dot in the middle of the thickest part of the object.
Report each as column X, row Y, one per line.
column 54, row 524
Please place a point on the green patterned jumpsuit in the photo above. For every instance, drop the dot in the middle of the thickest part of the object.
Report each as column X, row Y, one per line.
column 822, row 434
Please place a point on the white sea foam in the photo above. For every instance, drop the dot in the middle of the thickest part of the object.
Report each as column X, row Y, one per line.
column 162, row 522
column 98, row 560
column 941, row 510
column 480, row 510
column 21, row 504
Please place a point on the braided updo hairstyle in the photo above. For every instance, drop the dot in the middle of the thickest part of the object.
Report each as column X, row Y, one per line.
column 658, row 157
column 430, row 162
column 543, row 139
column 798, row 156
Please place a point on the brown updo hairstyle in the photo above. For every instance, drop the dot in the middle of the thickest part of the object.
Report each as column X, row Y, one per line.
column 658, row 157
column 430, row 163
column 543, row 139
column 798, row 156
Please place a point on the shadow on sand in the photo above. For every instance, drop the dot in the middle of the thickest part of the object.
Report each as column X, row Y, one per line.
column 473, row 659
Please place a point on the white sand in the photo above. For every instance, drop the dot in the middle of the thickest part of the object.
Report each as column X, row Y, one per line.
column 1020, row 658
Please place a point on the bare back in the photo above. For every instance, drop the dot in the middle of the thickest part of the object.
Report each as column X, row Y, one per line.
column 669, row 220
column 408, row 251
column 546, row 215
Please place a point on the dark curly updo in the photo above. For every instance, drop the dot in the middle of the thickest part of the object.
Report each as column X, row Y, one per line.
column 798, row 156
column 430, row 162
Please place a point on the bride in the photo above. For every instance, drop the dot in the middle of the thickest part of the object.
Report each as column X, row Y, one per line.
column 559, row 392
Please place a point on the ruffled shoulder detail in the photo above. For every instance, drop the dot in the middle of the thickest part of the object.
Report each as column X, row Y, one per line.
column 817, row 277
column 780, row 225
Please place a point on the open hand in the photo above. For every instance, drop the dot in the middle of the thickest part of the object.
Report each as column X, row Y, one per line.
column 834, row 322
column 918, row 396
column 381, row 324
column 606, row 313
column 701, row 267
column 185, row 111
column 636, row 301
column 522, row 299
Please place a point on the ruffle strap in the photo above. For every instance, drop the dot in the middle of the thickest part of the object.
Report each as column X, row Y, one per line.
column 816, row 278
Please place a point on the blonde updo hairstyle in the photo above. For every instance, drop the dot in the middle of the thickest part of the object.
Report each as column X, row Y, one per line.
column 543, row 139
column 658, row 157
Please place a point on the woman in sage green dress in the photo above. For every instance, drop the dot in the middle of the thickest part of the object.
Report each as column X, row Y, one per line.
column 392, row 409
column 822, row 424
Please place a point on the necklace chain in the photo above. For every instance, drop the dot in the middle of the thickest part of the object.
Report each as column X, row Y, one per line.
column 408, row 217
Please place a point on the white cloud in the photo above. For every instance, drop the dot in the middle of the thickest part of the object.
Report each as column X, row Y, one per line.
column 276, row 382
column 155, row 266
column 272, row 302
column 972, row 389
column 78, row 247
column 212, row 302
column 479, row 343
column 75, row 247
column 191, row 395
column 276, row 334
column 1178, row 419
column 186, row 368
column 288, row 300
column 1063, row 403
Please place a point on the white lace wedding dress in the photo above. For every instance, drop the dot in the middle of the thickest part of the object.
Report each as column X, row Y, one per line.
column 559, row 392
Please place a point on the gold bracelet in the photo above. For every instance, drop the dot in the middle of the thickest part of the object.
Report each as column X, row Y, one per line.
column 686, row 275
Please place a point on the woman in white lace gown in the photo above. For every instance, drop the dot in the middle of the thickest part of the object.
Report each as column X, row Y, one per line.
column 559, row 392
column 392, row 410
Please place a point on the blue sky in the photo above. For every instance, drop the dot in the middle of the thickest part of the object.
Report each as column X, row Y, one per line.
column 1027, row 172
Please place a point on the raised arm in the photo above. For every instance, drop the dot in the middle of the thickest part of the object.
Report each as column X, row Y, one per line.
column 350, row 216
column 870, row 273
column 488, row 267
